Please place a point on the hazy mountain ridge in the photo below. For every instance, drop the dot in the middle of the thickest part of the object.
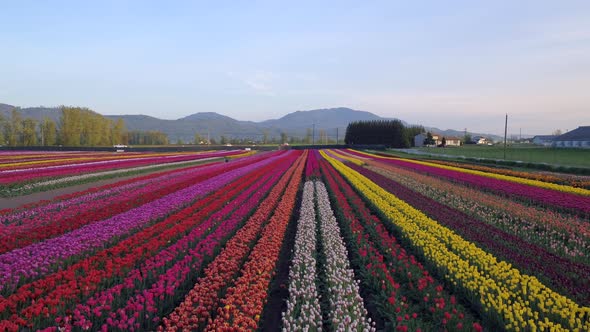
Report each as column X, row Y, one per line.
column 332, row 120
column 37, row 113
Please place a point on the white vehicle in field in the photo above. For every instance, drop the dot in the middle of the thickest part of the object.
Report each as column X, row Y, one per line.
column 118, row 146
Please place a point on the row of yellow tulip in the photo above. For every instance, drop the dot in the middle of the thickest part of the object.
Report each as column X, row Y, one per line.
column 515, row 300
column 530, row 182
column 346, row 157
column 241, row 155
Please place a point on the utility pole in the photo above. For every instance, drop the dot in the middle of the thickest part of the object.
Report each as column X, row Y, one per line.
column 505, row 132
column 336, row 135
column 313, row 135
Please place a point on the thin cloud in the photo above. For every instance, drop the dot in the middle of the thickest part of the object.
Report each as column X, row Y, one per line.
column 262, row 82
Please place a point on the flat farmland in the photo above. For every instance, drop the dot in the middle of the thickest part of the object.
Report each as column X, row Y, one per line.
column 563, row 157
column 332, row 239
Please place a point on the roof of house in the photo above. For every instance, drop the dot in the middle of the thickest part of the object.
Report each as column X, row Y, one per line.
column 545, row 136
column 426, row 134
column 580, row 134
column 452, row 138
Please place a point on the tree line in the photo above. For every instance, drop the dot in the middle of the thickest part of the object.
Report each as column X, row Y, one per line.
column 149, row 137
column 77, row 126
column 391, row 133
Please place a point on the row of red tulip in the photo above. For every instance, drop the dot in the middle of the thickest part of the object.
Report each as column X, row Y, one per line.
column 41, row 258
column 33, row 174
column 243, row 303
column 200, row 303
column 49, row 296
column 406, row 295
column 46, row 222
column 172, row 270
column 565, row 235
column 562, row 274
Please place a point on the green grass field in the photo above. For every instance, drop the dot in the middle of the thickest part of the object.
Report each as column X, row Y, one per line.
column 562, row 157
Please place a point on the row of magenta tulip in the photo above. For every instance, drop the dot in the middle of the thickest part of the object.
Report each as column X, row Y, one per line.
column 90, row 177
column 24, row 227
column 488, row 174
column 39, row 259
column 39, row 212
column 244, row 302
column 565, row 235
column 406, row 296
column 19, row 177
column 563, row 179
column 200, row 304
column 159, row 252
column 123, row 259
column 46, row 160
column 164, row 279
column 311, row 167
column 61, row 202
column 24, row 160
column 513, row 299
column 562, row 274
column 569, row 199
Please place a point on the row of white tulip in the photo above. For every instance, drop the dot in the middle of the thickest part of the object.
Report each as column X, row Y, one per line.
column 347, row 311
column 303, row 306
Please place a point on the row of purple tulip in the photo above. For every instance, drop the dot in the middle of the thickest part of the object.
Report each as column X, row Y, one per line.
column 40, row 258
column 563, row 274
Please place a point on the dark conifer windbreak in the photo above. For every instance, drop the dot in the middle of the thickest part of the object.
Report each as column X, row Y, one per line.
column 391, row 133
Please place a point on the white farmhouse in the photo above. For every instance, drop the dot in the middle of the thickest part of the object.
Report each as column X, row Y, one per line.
column 452, row 141
column 419, row 139
column 449, row 141
column 480, row 140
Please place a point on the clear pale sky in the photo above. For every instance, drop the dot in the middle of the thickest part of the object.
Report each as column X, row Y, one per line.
column 448, row 64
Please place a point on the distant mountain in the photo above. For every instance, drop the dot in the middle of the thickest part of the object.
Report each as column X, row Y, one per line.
column 5, row 108
column 331, row 117
column 333, row 121
column 212, row 124
column 37, row 113
column 207, row 116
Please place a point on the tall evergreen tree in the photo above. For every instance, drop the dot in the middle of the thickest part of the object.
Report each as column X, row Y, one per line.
column 391, row 133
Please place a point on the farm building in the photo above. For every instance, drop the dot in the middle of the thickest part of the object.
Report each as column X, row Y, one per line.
column 545, row 140
column 453, row 141
column 419, row 139
column 577, row 138
column 480, row 140
column 450, row 141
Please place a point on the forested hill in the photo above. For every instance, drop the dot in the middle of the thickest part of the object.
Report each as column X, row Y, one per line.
column 322, row 124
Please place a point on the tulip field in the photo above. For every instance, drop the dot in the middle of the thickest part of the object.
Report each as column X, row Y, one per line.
column 22, row 173
column 290, row 240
